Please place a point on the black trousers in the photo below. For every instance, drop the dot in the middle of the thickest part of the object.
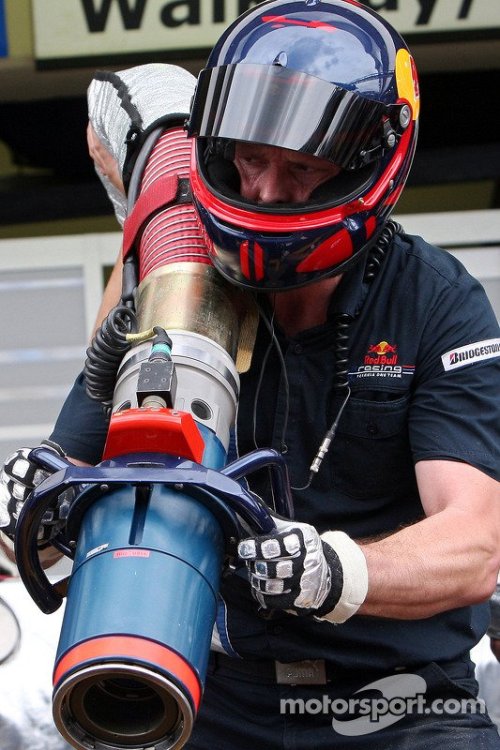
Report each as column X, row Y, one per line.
column 244, row 712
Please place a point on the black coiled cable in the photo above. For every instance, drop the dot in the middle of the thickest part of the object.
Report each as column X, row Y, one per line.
column 343, row 323
column 105, row 354
column 341, row 350
column 379, row 249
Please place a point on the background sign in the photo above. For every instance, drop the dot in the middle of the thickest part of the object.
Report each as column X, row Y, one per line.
column 96, row 28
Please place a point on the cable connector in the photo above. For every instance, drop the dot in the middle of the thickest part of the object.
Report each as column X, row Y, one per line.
column 325, row 444
column 157, row 382
column 322, row 451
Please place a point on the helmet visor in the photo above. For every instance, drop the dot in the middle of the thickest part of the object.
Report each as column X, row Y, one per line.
column 273, row 105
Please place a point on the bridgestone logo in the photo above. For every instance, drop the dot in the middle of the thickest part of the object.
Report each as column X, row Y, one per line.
column 466, row 355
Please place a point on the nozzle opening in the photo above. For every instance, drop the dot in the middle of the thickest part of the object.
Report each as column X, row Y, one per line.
column 122, row 707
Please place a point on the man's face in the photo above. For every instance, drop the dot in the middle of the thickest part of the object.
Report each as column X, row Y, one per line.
column 277, row 175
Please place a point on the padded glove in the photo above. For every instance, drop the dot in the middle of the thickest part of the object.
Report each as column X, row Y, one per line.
column 297, row 570
column 19, row 476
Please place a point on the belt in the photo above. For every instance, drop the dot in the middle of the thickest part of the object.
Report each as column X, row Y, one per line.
column 305, row 672
column 321, row 672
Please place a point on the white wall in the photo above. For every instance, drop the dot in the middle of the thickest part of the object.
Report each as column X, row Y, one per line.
column 50, row 290
column 472, row 236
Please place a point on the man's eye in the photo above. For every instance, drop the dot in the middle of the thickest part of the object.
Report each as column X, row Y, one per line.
column 253, row 161
column 304, row 168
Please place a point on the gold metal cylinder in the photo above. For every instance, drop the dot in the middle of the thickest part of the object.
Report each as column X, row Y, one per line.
column 194, row 297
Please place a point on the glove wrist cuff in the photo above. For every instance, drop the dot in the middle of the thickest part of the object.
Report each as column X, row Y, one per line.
column 53, row 446
column 355, row 576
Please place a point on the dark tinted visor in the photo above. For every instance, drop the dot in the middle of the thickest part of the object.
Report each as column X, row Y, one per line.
column 276, row 106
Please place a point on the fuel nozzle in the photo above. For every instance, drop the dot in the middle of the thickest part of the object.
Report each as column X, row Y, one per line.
column 157, row 383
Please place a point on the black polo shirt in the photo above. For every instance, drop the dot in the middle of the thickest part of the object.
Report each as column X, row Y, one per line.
column 423, row 369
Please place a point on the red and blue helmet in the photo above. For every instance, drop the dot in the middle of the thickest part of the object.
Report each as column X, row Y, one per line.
column 328, row 78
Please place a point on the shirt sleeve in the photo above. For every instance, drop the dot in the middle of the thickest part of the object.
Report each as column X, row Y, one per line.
column 455, row 412
column 82, row 426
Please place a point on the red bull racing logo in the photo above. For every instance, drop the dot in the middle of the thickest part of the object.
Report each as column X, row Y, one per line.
column 382, row 353
column 382, row 361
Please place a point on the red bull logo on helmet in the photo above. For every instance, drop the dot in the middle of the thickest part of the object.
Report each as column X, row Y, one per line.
column 382, row 353
column 278, row 21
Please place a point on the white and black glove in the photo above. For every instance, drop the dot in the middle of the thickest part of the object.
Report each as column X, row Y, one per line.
column 297, row 570
column 19, row 476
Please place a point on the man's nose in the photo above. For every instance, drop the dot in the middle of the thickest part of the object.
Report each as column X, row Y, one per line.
column 273, row 187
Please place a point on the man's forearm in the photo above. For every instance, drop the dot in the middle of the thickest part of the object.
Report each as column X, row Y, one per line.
column 443, row 562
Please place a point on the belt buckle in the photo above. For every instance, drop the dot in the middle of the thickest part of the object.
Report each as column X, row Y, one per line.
column 306, row 672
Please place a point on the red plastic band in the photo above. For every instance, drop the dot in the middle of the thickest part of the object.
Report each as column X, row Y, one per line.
column 131, row 647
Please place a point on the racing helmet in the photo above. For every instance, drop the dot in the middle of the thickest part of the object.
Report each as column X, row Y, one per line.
column 328, row 78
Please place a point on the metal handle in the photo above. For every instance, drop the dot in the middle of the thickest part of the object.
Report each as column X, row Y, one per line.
column 218, row 490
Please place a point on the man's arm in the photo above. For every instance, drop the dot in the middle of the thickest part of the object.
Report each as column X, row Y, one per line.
column 111, row 295
column 450, row 559
column 107, row 166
